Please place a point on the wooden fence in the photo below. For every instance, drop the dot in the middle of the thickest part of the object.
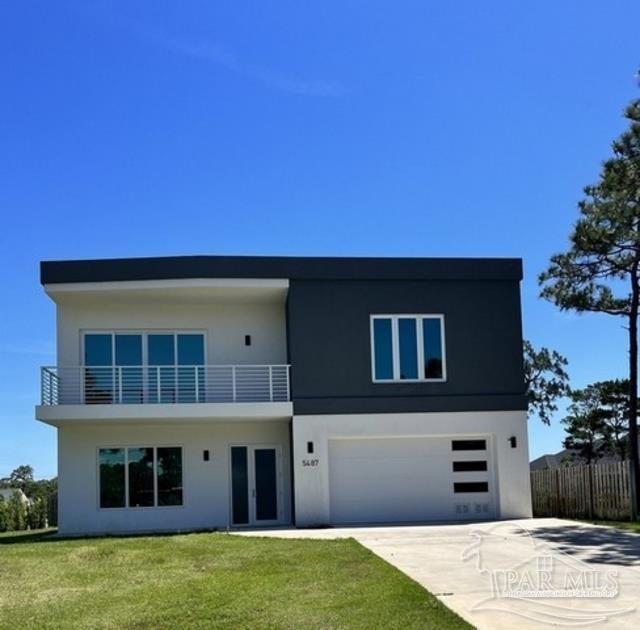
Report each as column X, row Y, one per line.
column 596, row 491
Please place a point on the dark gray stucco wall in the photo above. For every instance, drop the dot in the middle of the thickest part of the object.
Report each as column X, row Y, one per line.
column 330, row 354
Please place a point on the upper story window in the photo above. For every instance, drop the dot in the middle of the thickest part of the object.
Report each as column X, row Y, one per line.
column 132, row 367
column 407, row 348
column 151, row 348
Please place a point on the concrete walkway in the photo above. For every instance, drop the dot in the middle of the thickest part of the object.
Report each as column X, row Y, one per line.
column 482, row 570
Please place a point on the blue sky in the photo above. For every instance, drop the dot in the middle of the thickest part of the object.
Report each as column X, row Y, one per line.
column 329, row 128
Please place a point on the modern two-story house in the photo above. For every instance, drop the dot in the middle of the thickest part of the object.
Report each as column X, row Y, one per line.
column 213, row 392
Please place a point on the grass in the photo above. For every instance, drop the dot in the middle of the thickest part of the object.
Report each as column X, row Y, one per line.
column 210, row 580
column 631, row 526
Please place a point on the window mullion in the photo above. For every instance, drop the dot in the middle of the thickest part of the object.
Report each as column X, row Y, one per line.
column 420, row 342
column 443, row 350
column 144, row 368
column 395, row 348
column 126, row 477
column 175, row 369
column 372, row 341
column 155, row 476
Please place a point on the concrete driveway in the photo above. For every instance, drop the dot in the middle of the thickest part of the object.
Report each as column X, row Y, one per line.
column 524, row 573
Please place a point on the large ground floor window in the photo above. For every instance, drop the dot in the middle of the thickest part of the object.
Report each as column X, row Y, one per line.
column 144, row 476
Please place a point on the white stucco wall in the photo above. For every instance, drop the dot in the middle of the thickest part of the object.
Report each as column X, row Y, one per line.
column 510, row 465
column 225, row 326
column 206, row 500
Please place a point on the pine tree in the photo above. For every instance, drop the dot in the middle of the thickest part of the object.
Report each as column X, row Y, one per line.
column 585, row 426
column 601, row 270
column 545, row 380
column 614, row 403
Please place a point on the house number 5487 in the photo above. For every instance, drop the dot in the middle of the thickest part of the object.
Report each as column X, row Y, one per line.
column 310, row 462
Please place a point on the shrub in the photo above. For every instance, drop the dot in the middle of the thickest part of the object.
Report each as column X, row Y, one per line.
column 37, row 514
column 4, row 516
column 18, row 512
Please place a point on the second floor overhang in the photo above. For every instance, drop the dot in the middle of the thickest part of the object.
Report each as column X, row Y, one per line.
column 179, row 413
column 188, row 290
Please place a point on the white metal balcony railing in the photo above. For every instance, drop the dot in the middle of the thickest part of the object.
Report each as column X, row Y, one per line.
column 164, row 384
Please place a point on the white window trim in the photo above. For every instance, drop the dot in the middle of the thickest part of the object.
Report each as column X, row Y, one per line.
column 395, row 347
column 126, row 506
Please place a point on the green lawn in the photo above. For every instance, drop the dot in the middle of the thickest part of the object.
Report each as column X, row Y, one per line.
column 204, row 581
column 631, row 526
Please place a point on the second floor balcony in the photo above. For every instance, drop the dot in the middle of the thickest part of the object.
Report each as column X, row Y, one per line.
column 164, row 384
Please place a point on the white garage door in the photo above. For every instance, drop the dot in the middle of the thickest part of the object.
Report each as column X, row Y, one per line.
column 379, row 480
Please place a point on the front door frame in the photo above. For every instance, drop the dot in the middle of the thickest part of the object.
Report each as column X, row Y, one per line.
column 251, row 477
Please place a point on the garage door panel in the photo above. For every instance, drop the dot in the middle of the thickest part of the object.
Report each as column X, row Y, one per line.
column 385, row 448
column 398, row 479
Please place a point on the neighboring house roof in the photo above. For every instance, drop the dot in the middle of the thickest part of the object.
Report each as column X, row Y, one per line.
column 300, row 268
column 564, row 458
column 551, row 460
column 7, row 494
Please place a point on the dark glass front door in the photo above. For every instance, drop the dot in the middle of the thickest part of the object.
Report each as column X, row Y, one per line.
column 266, row 484
column 239, row 485
column 254, row 485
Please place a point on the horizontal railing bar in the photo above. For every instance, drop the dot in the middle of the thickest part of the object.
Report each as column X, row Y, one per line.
column 53, row 369
column 164, row 384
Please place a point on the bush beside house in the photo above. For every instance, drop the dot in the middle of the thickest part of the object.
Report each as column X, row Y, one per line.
column 18, row 513
column 26, row 503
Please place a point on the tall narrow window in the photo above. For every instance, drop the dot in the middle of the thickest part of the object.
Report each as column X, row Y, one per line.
column 169, row 476
column 408, row 347
column 239, row 483
column 432, row 339
column 98, row 373
column 129, row 385
column 191, row 376
column 111, row 462
column 162, row 380
column 98, row 350
column 140, row 477
column 383, row 350
column 190, row 349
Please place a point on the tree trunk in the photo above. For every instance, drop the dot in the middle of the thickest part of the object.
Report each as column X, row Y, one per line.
column 633, row 393
column 621, row 448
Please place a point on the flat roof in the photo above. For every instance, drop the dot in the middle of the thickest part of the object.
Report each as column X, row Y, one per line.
column 294, row 268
